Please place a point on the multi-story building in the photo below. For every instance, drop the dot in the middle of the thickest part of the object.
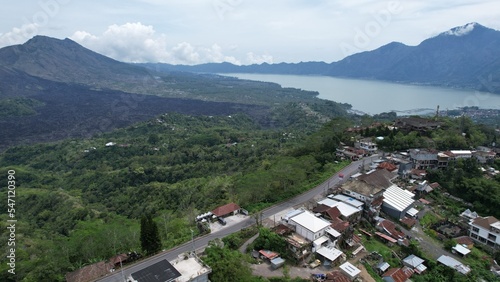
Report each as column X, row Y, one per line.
column 485, row 230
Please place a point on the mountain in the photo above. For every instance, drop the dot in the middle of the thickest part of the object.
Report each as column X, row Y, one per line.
column 52, row 89
column 464, row 57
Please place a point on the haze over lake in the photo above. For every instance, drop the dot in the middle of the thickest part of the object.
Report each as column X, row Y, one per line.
column 374, row 97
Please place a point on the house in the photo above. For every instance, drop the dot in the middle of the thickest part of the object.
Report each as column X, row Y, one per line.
column 298, row 245
column 415, row 263
column 269, row 255
column 191, row 268
column 350, row 270
column 347, row 212
column 348, row 200
column 484, row 157
column 367, row 145
column 382, row 267
column 226, row 210
column 485, row 230
column 468, row 215
column 397, row 202
column 397, row 274
column 423, row 159
column 368, row 188
column 459, row 154
column 465, row 241
column 335, row 276
column 161, row 271
column 461, row 250
column 453, row 263
column 331, row 255
column 118, row 260
column 89, row 272
column 388, row 227
column 183, row 269
column 309, row 226
column 388, row 166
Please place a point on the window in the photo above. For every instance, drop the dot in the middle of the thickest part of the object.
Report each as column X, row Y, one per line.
column 473, row 235
column 475, row 229
column 492, row 237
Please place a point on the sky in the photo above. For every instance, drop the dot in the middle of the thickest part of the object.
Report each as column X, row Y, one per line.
column 238, row 31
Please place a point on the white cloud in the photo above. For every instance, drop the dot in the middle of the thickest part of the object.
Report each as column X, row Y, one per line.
column 461, row 30
column 18, row 35
column 258, row 59
column 136, row 42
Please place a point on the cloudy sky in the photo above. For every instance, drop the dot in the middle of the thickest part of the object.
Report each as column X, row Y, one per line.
column 238, row 31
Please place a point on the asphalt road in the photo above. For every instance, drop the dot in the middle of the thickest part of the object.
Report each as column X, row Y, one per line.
column 201, row 242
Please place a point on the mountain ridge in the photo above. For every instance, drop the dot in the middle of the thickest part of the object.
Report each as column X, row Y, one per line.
column 466, row 56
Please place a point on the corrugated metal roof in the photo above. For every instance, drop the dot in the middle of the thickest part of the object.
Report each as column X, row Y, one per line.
column 398, row 198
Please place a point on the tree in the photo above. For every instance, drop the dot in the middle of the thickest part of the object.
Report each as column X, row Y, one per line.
column 150, row 237
column 227, row 265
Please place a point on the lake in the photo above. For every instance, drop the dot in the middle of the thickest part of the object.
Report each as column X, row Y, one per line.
column 372, row 97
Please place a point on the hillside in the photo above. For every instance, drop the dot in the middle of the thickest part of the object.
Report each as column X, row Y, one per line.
column 79, row 93
column 463, row 57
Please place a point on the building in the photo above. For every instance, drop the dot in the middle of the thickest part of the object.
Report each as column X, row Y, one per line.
column 226, row 210
column 161, row 271
column 89, row 272
column 453, row 263
column 415, row 263
column 192, row 269
column 461, row 250
column 367, row 145
column 409, row 124
column 183, row 269
column 486, row 230
column 331, row 255
column 397, row 274
column 397, row 202
column 309, row 226
column 347, row 212
column 388, row 227
column 350, row 270
column 369, row 188
column 423, row 159
column 348, row 200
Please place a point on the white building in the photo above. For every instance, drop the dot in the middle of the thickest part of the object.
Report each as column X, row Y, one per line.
column 347, row 211
column 485, row 230
column 350, row 270
column 309, row 226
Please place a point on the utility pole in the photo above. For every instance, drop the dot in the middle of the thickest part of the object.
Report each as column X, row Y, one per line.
column 192, row 239
column 121, row 268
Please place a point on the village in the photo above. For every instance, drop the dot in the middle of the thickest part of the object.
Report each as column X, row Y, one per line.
column 371, row 226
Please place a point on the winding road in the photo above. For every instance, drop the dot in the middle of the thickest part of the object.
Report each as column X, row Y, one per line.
column 201, row 242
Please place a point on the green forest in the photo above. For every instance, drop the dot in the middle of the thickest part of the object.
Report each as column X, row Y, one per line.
column 80, row 201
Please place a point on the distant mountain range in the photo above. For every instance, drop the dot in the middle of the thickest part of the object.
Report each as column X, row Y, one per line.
column 463, row 57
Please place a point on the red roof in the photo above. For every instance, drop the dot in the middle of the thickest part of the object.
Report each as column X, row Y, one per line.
column 89, row 272
column 226, row 209
column 389, row 227
column 116, row 259
column 336, row 276
column 408, row 221
column 339, row 225
column 333, row 212
column 399, row 274
column 386, row 237
column 388, row 166
column 321, row 208
column 464, row 240
column 268, row 254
